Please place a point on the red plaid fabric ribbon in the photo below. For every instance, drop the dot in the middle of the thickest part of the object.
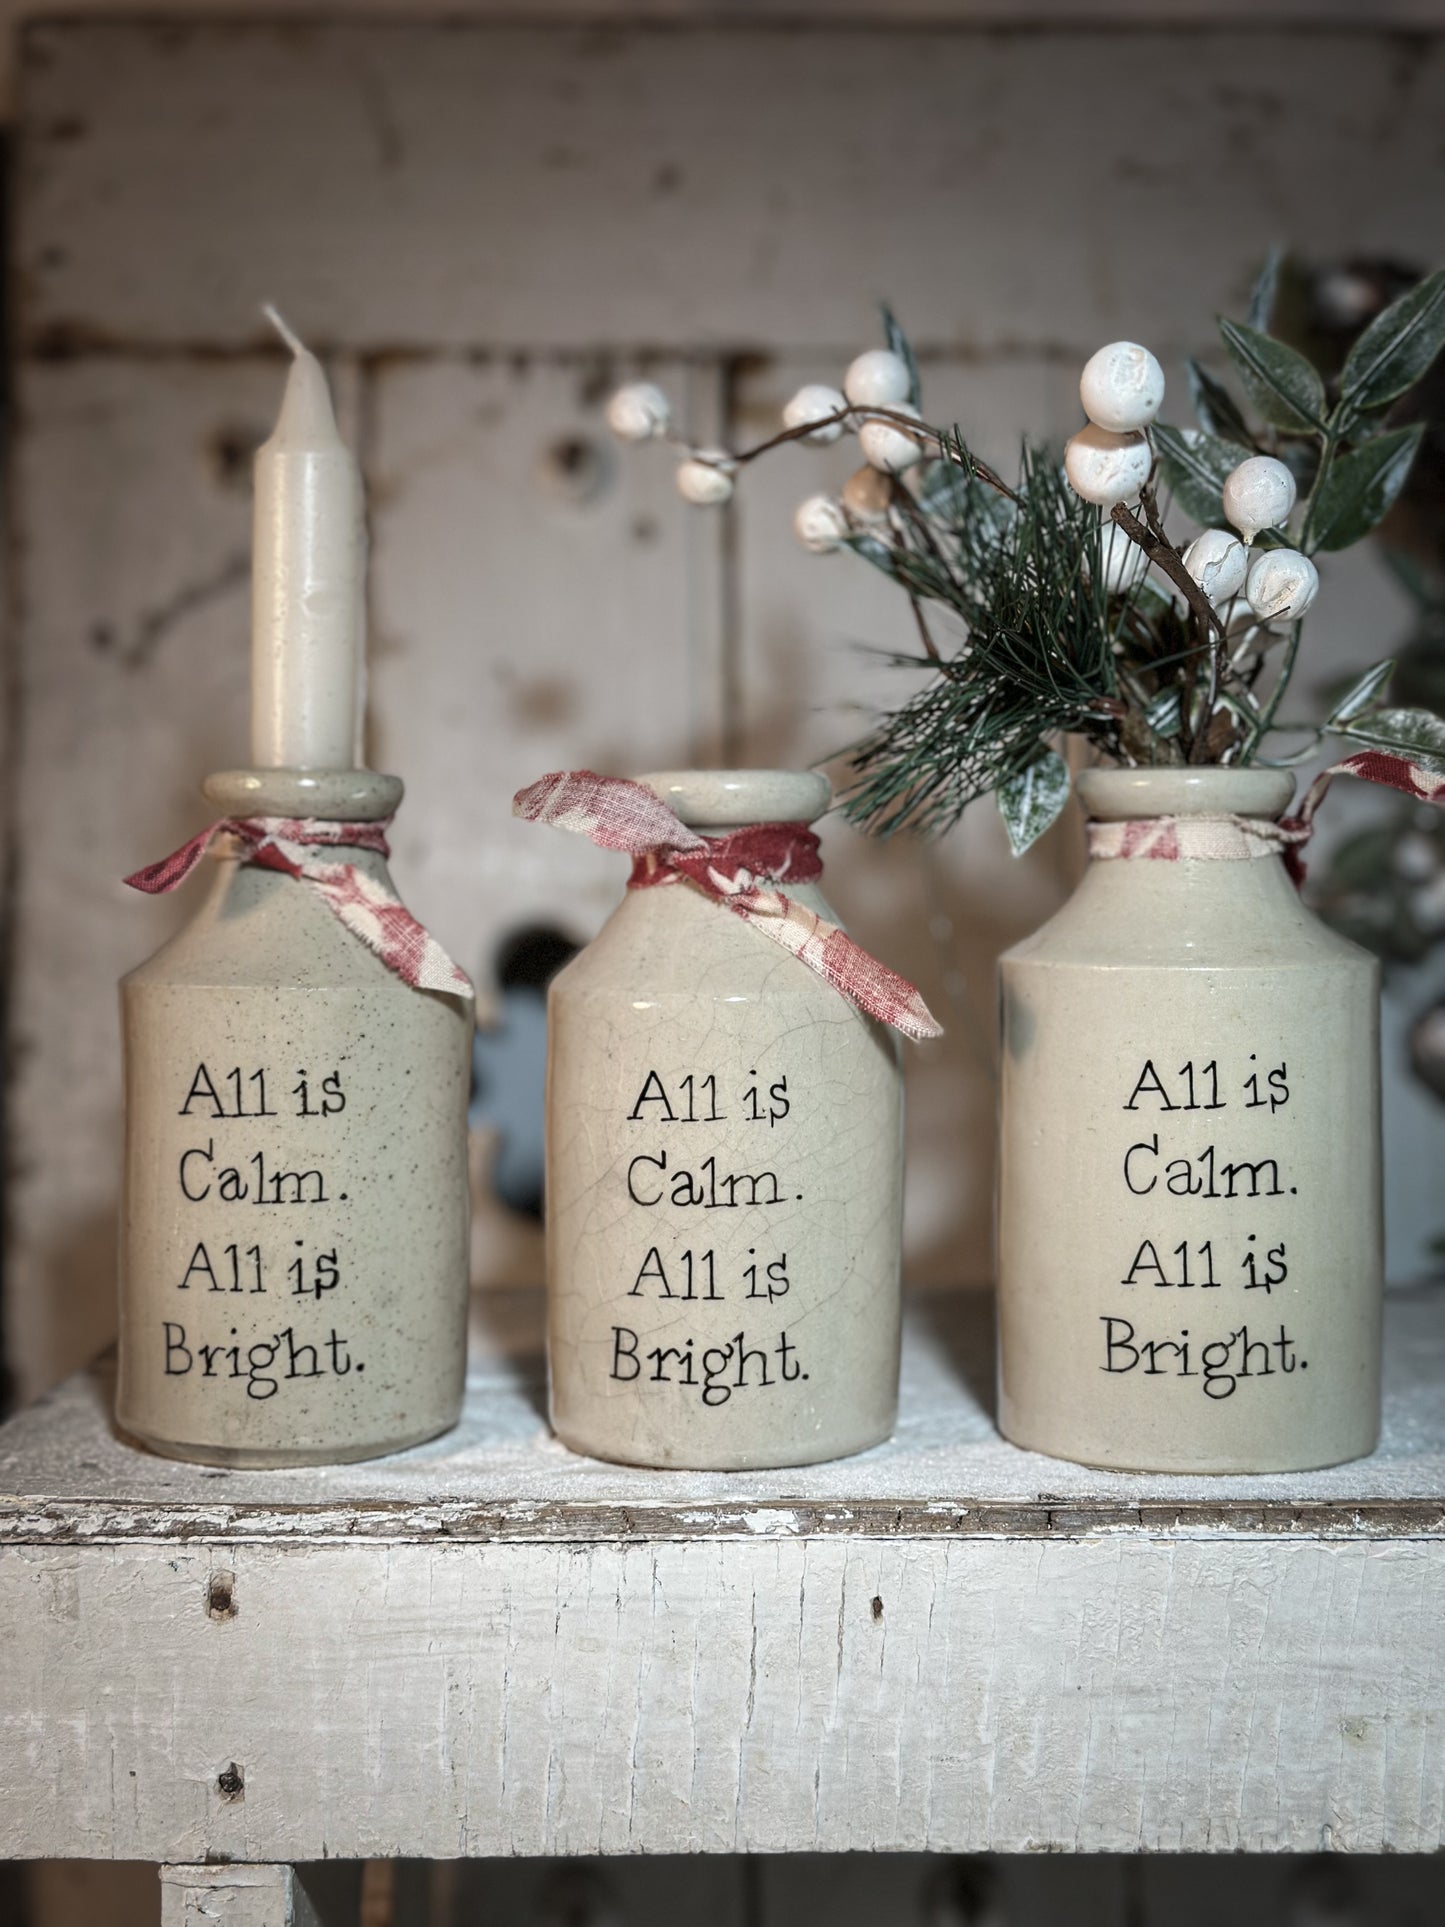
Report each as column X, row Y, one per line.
column 736, row 871
column 369, row 910
column 1203, row 839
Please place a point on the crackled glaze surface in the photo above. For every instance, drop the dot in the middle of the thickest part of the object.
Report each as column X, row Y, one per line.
column 723, row 1180
column 1189, row 1219
column 294, row 1241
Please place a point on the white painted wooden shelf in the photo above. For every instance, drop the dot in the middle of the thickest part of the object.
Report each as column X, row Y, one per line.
column 490, row 1646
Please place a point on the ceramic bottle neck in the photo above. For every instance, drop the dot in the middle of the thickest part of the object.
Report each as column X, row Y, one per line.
column 1125, row 795
column 333, row 795
column 716, row 802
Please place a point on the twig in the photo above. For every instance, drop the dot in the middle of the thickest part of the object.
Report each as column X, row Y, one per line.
column 927, row 640
column 851, row 417
column 1210, row 630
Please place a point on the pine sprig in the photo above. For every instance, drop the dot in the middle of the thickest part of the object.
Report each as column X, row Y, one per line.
column 1024, row 575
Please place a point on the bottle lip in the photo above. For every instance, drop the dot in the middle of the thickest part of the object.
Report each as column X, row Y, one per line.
column 1121, row 795
column 730, row 799
column 333, row 795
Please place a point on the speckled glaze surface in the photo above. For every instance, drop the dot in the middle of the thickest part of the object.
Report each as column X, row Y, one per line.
column 1189, row 1214
column 724, row 1180
column 295, row 1219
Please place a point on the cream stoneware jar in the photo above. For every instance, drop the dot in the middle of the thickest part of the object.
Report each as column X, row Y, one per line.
column 1189, row 1218
column 294, row 1242
column 724, row 1179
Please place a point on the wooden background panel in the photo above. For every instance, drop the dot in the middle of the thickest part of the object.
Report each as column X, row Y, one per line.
column 132, row 530
column 746, row 189
column 517, row 208
column 539, row 601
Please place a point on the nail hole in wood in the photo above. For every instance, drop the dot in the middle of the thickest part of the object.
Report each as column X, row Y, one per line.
column 230, row 451
column 221, row 1595
column 576, row 469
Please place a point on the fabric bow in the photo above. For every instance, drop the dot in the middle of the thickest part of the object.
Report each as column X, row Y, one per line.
column 370, row 910
column 736, row 871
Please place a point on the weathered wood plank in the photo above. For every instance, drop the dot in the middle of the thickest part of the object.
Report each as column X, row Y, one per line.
column 764, row 1696
column 705, row 186
column 252, row 1896
column 489, row 1646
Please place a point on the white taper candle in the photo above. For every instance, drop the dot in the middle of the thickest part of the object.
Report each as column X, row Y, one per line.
column 307, row 584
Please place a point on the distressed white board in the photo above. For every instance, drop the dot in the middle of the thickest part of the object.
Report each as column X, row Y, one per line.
column 715, row 186
column 1094, row 1694
column 251, row 1896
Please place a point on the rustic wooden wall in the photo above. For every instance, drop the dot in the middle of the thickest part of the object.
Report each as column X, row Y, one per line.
column 483, row 227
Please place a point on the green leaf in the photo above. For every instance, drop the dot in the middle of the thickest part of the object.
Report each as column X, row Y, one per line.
column 1361, row 695
column 1416, row 734
column 903, row 348
column 1196, row 466
column 1241, row 704
column 1395, row 350
column 1356, row 490
column 1031, row 802
column 1284, row 387
column 1161, row 713
column 1261, row 301
column 1216, row 408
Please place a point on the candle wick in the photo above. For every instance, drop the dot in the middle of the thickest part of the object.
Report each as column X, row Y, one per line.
column 293, row 341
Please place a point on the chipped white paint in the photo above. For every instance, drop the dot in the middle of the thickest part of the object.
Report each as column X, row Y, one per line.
column 255, row 1896
column 681, row 1697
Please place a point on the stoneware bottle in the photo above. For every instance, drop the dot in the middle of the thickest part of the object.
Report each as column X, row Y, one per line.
column 1189, row 1217
column 294, row 1272
column 724, row 1179
column 294, row 1249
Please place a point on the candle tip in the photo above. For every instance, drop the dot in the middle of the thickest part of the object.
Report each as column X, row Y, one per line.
column 288, row 335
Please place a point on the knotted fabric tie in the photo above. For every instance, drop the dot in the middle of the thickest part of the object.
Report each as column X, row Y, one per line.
column 1205, row 839
column 370, row 910
column 736, row 871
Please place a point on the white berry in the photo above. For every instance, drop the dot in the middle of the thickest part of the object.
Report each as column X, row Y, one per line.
column 1121, row 387
column 820, row 524
column 1282, row 584
column 890, row 448
column 639, row 412
column 705, row 479
column 1106, row 468
column 879, row 379
column 867, row 495
column 1218, row 562
column 1259, row 495
column 815, row 403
